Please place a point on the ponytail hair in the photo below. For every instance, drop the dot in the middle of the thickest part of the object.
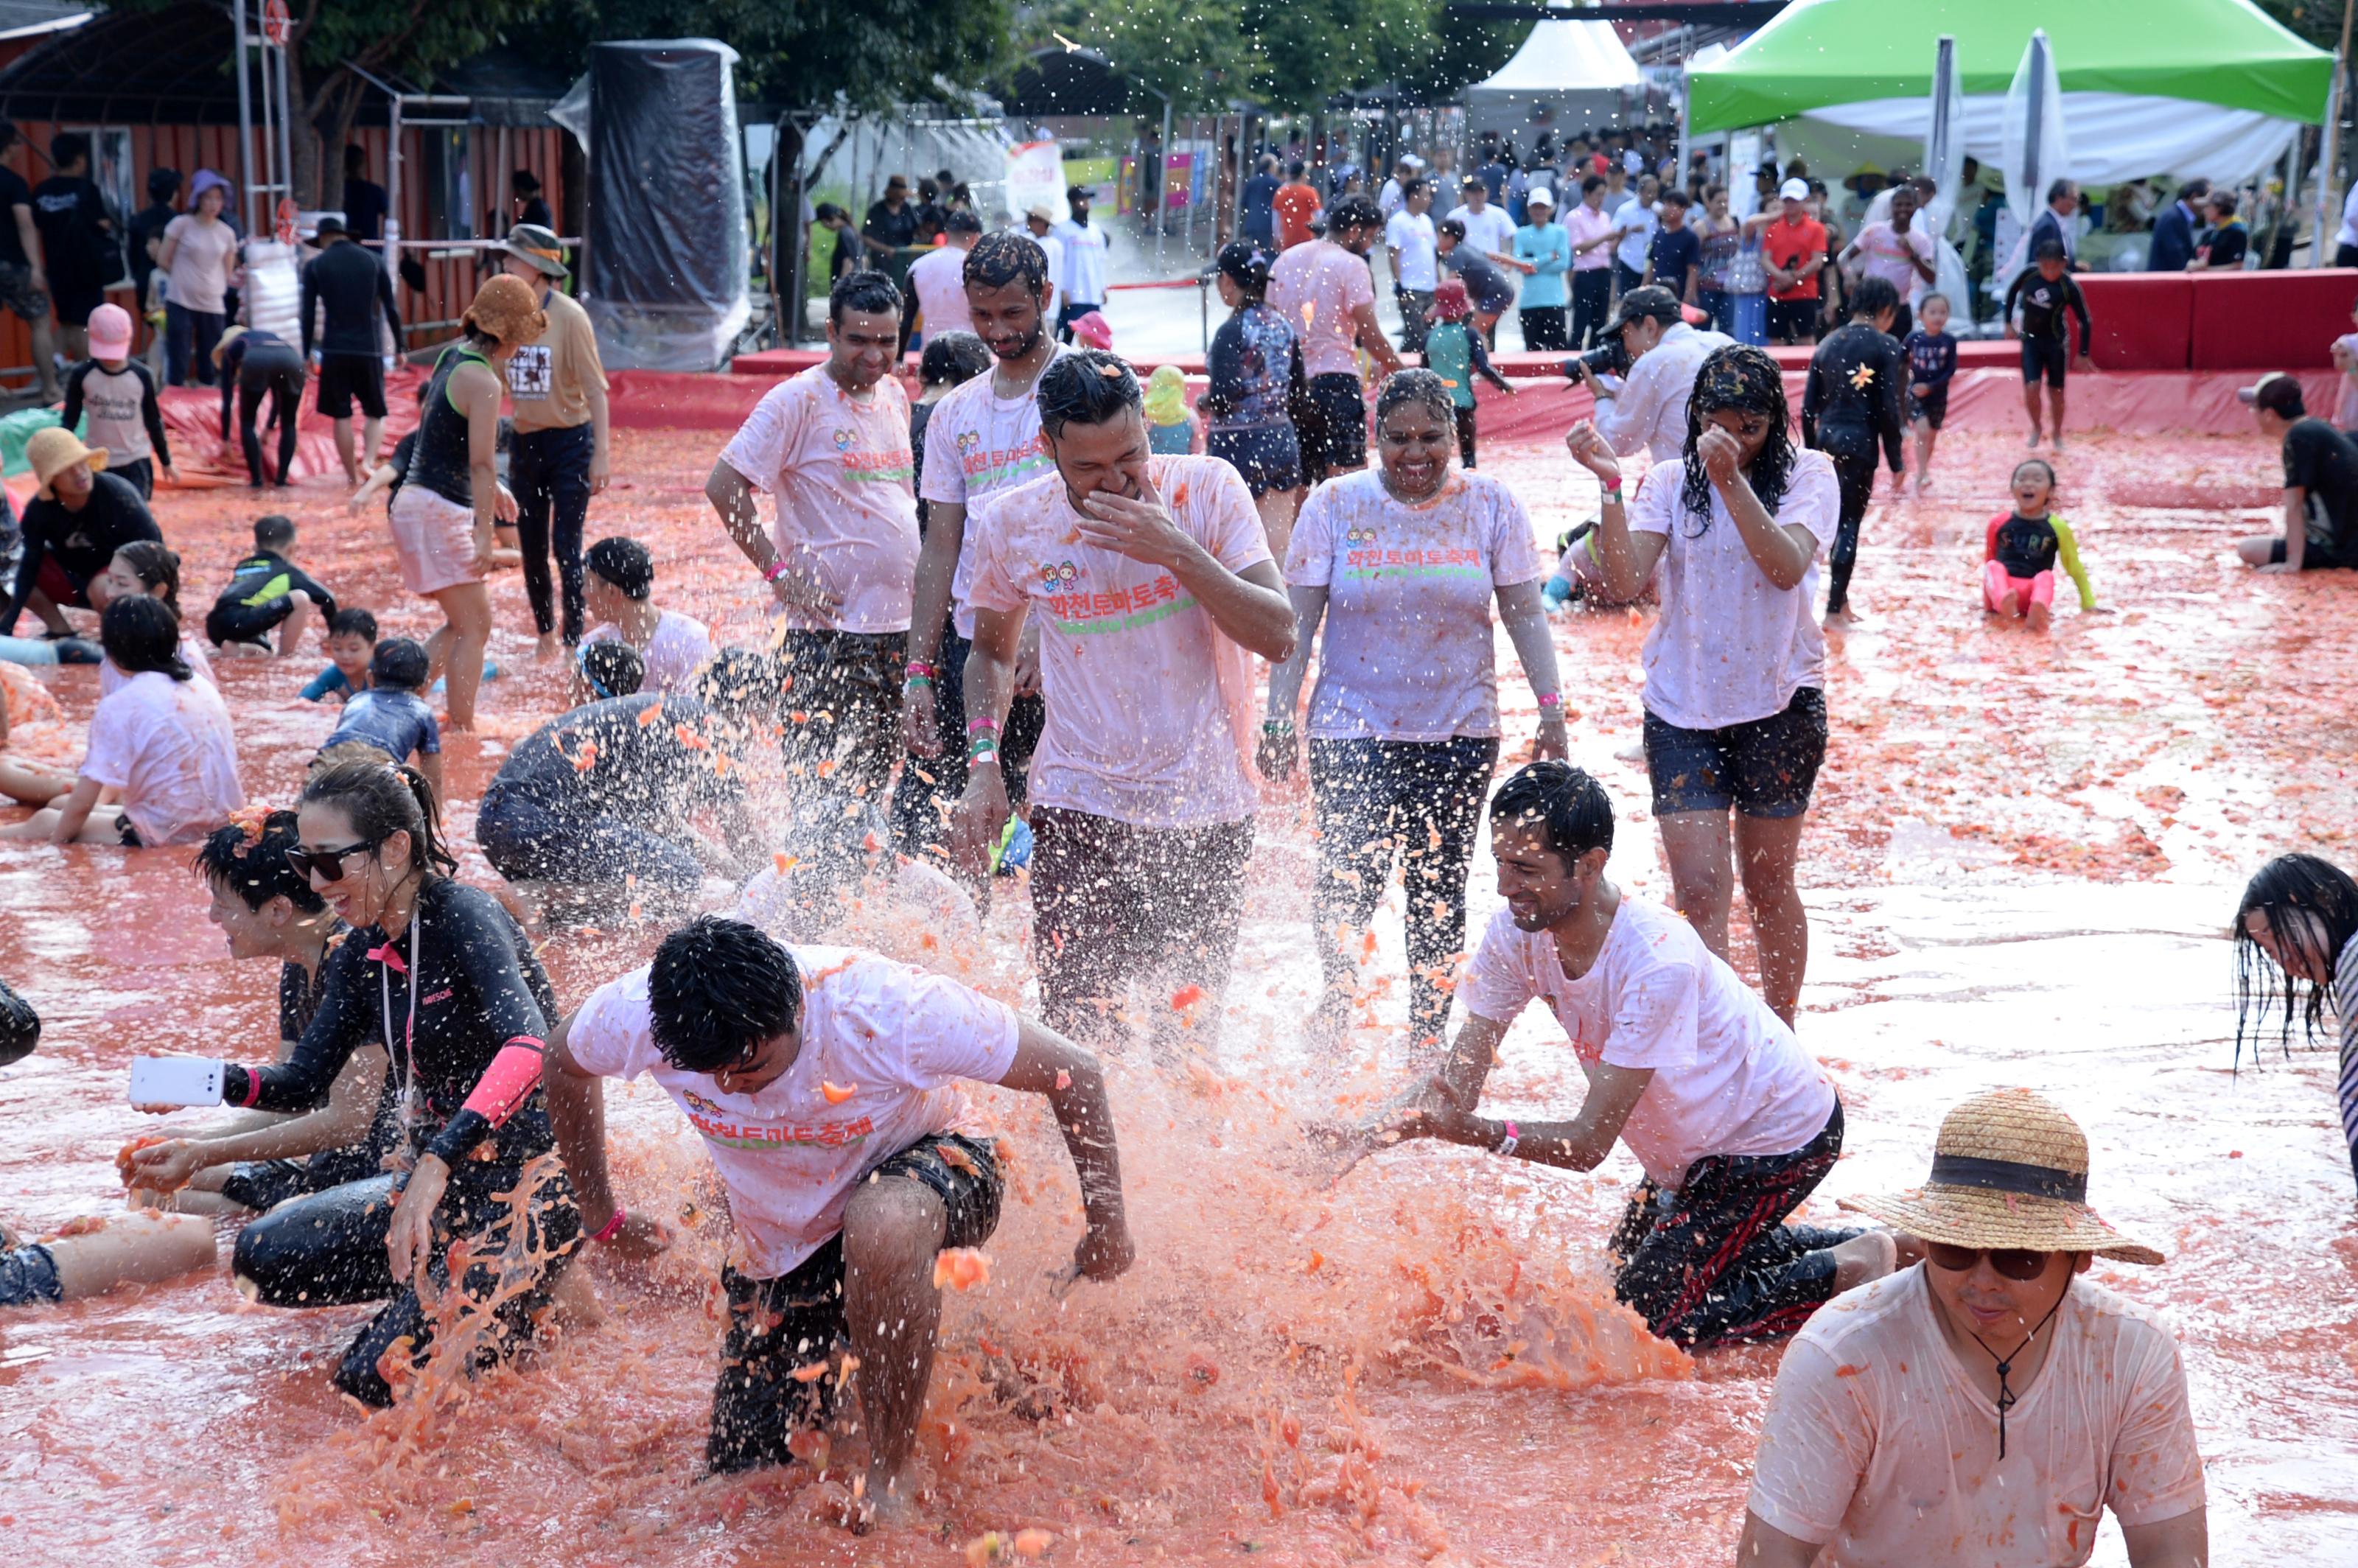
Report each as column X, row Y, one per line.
column 383, row 800
column 142, row 636
column 247, row 855
column 156, row 565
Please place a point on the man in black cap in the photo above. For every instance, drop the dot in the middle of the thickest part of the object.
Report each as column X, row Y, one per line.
column 2321, row 484
column 1082, row 282
column 1647, row 406
column 350, row 287
column 560, row 456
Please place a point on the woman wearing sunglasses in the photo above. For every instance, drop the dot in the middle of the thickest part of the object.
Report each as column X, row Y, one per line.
column 440, row 973
column 1992, row 1395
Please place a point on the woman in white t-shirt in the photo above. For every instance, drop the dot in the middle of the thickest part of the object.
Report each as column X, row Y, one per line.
column 1736, row 718
column 144, row 567
column 1402, row 563
column 199, row 259
column 163, row 739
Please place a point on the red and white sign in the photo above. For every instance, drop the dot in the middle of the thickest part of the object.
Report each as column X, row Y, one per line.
column 286, row 221
column 277, row 25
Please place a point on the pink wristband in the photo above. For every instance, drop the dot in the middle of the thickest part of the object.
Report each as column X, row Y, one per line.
column 976, row 726
column 613, row 1227
column 1514, row 1136
column 778, row 568
column 1550, row 699
column 919, row 667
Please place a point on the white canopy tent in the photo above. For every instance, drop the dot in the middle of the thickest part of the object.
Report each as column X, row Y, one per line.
column 1567, row 77
column 2115, row 135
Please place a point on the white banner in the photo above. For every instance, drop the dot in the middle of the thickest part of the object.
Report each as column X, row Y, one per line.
column 1035, row 177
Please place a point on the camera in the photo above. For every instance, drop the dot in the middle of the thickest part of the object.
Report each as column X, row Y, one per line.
column 1610, row 357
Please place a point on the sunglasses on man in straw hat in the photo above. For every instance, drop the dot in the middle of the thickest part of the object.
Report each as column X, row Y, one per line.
column 2009, row 1179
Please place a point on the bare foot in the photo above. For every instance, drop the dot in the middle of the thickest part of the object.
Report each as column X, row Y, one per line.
column 1323, row 1032
column 1843, row 618
column 2057, row 448
column 2037, row 618
column 1864, row 1259
column 2009, row 607
column 882, row 1502
column 2033, row 442
column 545, row 649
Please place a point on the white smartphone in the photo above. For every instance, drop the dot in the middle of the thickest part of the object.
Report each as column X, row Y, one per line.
column 175, row 1080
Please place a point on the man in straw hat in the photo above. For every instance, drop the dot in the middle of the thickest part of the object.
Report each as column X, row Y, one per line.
column 77, row 520
column 1733, row 1122
column 1988, row 1404
column 562, row 452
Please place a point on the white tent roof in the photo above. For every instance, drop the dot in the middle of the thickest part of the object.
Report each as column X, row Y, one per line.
column 1566, row 57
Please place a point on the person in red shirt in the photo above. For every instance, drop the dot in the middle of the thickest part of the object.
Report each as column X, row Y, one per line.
column 1794, row 249
column 1295, row 204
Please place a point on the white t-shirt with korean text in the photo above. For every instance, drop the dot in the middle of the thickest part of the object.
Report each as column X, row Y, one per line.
column 168, row 747
column 978, row 445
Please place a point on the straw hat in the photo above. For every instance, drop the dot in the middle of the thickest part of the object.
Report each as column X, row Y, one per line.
column 221, row 344
column 53, row 450
column 2010, row 1170
column 505, row 308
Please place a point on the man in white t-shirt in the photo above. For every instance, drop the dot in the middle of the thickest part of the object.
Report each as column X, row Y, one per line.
column 1636, row 218
column 1081, row 286
column 1487, row 227
column 1900, row 251
column 1040, row 222
column 938, row 277
column 832, row 445
column 1416, row 266
column 1733, row 1122
column 1152, row 580
column 981, row 440
column 1988, row 1404
column 824, row 1082
column 619, row 585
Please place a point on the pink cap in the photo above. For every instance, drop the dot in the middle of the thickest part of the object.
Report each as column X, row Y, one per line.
column 1093, row 330
column 110, row 333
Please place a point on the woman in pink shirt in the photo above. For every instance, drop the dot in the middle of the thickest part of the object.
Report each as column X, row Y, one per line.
column 1592, row 238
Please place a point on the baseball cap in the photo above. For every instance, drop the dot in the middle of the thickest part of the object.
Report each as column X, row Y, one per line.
column 1041, row 211
column 1795, row 190
column 2278, row 393
column 1650, row 302
column 1412, row 160
column 1540, row 197
column 110, row 333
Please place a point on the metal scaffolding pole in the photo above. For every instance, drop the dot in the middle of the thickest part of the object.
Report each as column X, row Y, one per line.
column 247, row 192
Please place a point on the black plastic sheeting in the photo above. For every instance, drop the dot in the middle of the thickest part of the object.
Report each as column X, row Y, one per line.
column 667, row 266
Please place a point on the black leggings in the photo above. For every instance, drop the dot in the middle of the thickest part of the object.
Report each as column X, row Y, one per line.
column 1709, row 1263
column 328, row 1249
column 1592, row 305
column 1856, row 478
column 276, row 370
column 1419, row 801
column 549, row 473
column 1465, row 436
column 524, row 840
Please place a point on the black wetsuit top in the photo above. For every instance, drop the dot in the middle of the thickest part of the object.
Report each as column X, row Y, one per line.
column 478, row 988
column 2027, row 546
column 639, row 773
column 353, row 286
column 266, row 576
column 2044, row 302
column 438, row 460
column 1856, row 380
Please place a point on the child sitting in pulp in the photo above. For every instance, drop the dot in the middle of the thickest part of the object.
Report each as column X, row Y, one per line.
column 350, row 644
column 389, row 721
column 2022, row 549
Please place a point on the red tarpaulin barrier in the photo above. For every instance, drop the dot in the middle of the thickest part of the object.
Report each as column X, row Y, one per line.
column 2271, row 321
column 192, row 423
column 2143, row 321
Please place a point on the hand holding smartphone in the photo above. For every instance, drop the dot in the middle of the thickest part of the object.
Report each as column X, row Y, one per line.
column 175, row 1081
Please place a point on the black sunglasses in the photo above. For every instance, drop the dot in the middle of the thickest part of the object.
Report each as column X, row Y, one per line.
column 2016, row 1263
column 328, row 865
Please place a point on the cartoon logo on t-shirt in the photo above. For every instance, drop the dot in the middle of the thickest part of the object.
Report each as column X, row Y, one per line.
column 843, row 439
column 1361, row 536
column 1062, row 575
column 968, row 440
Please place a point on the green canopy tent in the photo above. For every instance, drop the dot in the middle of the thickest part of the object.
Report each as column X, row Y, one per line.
column 2181, row 87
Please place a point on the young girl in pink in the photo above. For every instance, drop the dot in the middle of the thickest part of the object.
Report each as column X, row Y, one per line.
column 2020, row 557
column 2345, row 360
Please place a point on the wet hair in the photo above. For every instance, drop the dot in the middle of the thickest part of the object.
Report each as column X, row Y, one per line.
column 399, row 663
column 273, row 532
column 68, row 145
column 2050, row 250
column 716, row 990
column 870, row 292
column 1573, row 807
column 1247, row 266
column 1742, row 377
column 1871, row 296
column 737, row 680
column 142, row 634
column 613, row 667
column 155, row 565
column 2041, row 464
column 20, row 1026
column 1426, row 389
column 250, row 859
column 625, row 563
column 382, row 799
column 1087, row 387
column 1004, row 257
column 352, row 622
column 952, row 359
column 1353, row 212
column 2310, row 904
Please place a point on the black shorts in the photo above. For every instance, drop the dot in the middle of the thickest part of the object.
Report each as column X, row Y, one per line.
column 1269, row 456
column 1341, row 440
column 345, row 377
column 74, row 298
column 139, row 473
column 2315, row 557
column 1792, row 321
column 28, row 1277
column 234, row 621
column 1932, row 407
column 1764, row 768
column 17, row 293
column 263, row 1184
column 2042, row 354
column 777, row 1327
